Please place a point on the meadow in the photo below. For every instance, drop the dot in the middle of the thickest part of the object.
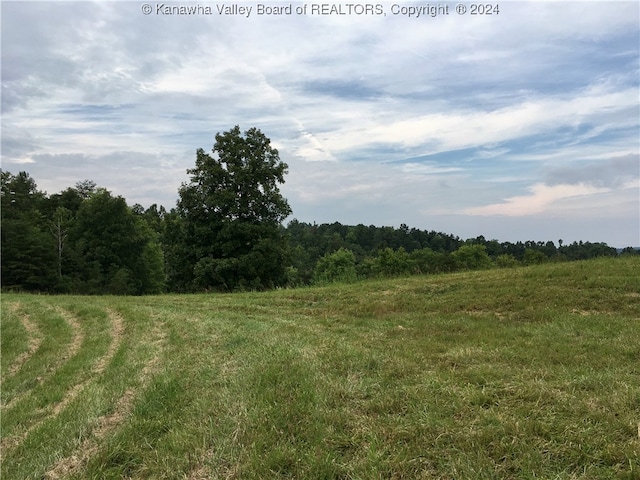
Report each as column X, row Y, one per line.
column 523, row 373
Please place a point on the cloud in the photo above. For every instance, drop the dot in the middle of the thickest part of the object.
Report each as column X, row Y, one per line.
column 612, row 173
column 542, row 198
column 382, row 119
column 138, row 177
column 17, row 143
column 453, row 130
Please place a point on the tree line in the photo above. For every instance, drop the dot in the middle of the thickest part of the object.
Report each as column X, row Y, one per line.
column 81, row 240
column 336, row 252
column 225, row 233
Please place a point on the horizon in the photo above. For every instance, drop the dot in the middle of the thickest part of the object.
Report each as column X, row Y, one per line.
column 292, row 217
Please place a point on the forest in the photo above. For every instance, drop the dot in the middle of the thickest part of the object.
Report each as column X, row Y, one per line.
column 86, row 240
column 226, row 233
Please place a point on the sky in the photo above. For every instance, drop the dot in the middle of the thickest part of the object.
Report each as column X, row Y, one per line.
column 519, row 125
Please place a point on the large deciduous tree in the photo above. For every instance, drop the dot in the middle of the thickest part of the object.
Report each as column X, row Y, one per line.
column 229, row 217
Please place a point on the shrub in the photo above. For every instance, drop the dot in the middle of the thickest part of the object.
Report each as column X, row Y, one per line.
column 506, row 260
column 426, row 260
column 339, row 266
column 472, row 257
column 390, row 263
column 533, row 257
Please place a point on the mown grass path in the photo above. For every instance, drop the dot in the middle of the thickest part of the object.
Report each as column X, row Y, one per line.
column 33, row 341
column 517, row 373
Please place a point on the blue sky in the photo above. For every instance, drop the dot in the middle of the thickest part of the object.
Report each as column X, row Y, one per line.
column 517, row 126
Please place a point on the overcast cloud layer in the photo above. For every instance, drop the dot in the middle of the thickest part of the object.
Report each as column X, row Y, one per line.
column 518, row 126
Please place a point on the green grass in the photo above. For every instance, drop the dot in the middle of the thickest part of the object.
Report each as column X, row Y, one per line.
column 517, row 373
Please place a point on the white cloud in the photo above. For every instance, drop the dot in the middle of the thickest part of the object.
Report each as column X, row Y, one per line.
column 543, row 198
column 427, row 169
column 453, row 130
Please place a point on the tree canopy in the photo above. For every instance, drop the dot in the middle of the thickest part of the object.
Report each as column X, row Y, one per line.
column 228, row 217
column 83, row 240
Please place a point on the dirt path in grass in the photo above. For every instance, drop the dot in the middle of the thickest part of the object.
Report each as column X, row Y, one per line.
column 117, row 331
column 74, row 348
column 35, row 339
column 108, row 423
column 78, row 335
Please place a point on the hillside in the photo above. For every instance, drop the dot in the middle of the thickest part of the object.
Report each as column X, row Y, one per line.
column 528, row 372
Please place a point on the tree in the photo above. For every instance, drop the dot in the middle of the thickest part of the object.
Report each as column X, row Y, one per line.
column 629, row 251
column 28, row 257
column 115, row 251
column 229, row 217
column 59, row 228
column 85, row 188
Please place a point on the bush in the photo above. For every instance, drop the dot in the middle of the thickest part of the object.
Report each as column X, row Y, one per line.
column 391, row 263
column 472, row 257
column 506, row 260
column 533, row 257
column 426, row 260
column 339, row 266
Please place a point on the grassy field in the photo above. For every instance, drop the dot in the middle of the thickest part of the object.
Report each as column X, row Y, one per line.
column 515, row 373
